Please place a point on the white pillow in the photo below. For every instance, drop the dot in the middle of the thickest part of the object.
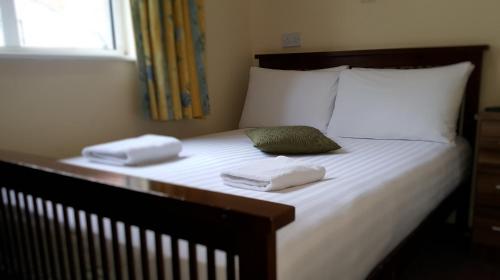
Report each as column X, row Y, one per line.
column 415, row 104
column 287, row 97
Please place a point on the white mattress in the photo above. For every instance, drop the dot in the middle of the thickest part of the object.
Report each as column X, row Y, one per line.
column 375, row 193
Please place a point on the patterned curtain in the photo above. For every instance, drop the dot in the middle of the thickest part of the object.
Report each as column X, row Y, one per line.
column 170, row 41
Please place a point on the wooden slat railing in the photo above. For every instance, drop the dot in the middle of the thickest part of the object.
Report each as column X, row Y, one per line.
column 65, row 222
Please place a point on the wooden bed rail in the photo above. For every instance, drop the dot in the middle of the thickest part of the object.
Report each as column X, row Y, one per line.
column 52, row 214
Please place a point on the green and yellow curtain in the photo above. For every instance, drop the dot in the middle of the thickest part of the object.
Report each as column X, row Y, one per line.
column 170, row 41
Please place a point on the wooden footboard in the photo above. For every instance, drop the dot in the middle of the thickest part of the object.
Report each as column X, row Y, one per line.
column 53, row 218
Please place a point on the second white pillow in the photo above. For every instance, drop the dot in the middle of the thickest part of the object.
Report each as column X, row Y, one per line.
column 415, row 104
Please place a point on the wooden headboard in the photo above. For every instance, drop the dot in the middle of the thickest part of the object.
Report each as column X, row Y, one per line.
column 395, row 58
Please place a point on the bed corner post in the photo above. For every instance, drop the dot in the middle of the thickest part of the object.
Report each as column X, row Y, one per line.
column 257, row 259
column 468, row 130
column 463, row 211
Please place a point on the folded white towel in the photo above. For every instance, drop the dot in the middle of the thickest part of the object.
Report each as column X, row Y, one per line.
column 273, row 174
column 134, row 151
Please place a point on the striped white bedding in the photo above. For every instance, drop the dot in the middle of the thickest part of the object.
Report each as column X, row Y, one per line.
column 375, row 193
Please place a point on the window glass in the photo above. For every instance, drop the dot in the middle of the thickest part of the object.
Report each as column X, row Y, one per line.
column 2, row 41
column 65, row 24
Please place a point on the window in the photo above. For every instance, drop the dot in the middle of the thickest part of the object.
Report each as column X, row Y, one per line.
column 2, row 42
column 64, row 26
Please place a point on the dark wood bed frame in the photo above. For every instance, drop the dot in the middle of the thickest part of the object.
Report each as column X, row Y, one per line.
column 35, row 246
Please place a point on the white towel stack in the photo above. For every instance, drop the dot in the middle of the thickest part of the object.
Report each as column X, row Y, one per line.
column 273, row 174
column 144, row 149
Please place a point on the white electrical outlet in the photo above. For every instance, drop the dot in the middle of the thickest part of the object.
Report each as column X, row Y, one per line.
column 291, row 40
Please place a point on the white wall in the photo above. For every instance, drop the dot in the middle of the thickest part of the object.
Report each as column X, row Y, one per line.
column 54, row 107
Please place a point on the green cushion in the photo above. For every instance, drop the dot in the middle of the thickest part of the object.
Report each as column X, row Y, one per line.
column 291, row 140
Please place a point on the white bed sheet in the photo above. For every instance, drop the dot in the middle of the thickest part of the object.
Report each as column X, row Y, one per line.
column 375, row 193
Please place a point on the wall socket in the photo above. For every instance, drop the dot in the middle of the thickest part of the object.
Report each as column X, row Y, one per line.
column 291, row 40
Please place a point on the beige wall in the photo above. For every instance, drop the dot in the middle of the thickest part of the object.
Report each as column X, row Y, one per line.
column 55, row 107
column 350, row 24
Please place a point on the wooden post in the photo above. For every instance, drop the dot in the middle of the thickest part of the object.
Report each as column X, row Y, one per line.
column 257, row 259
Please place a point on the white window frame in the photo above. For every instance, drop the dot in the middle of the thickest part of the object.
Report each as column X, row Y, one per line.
column 122, row 31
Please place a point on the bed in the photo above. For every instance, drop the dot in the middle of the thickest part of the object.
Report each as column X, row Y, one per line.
column 242, row 234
